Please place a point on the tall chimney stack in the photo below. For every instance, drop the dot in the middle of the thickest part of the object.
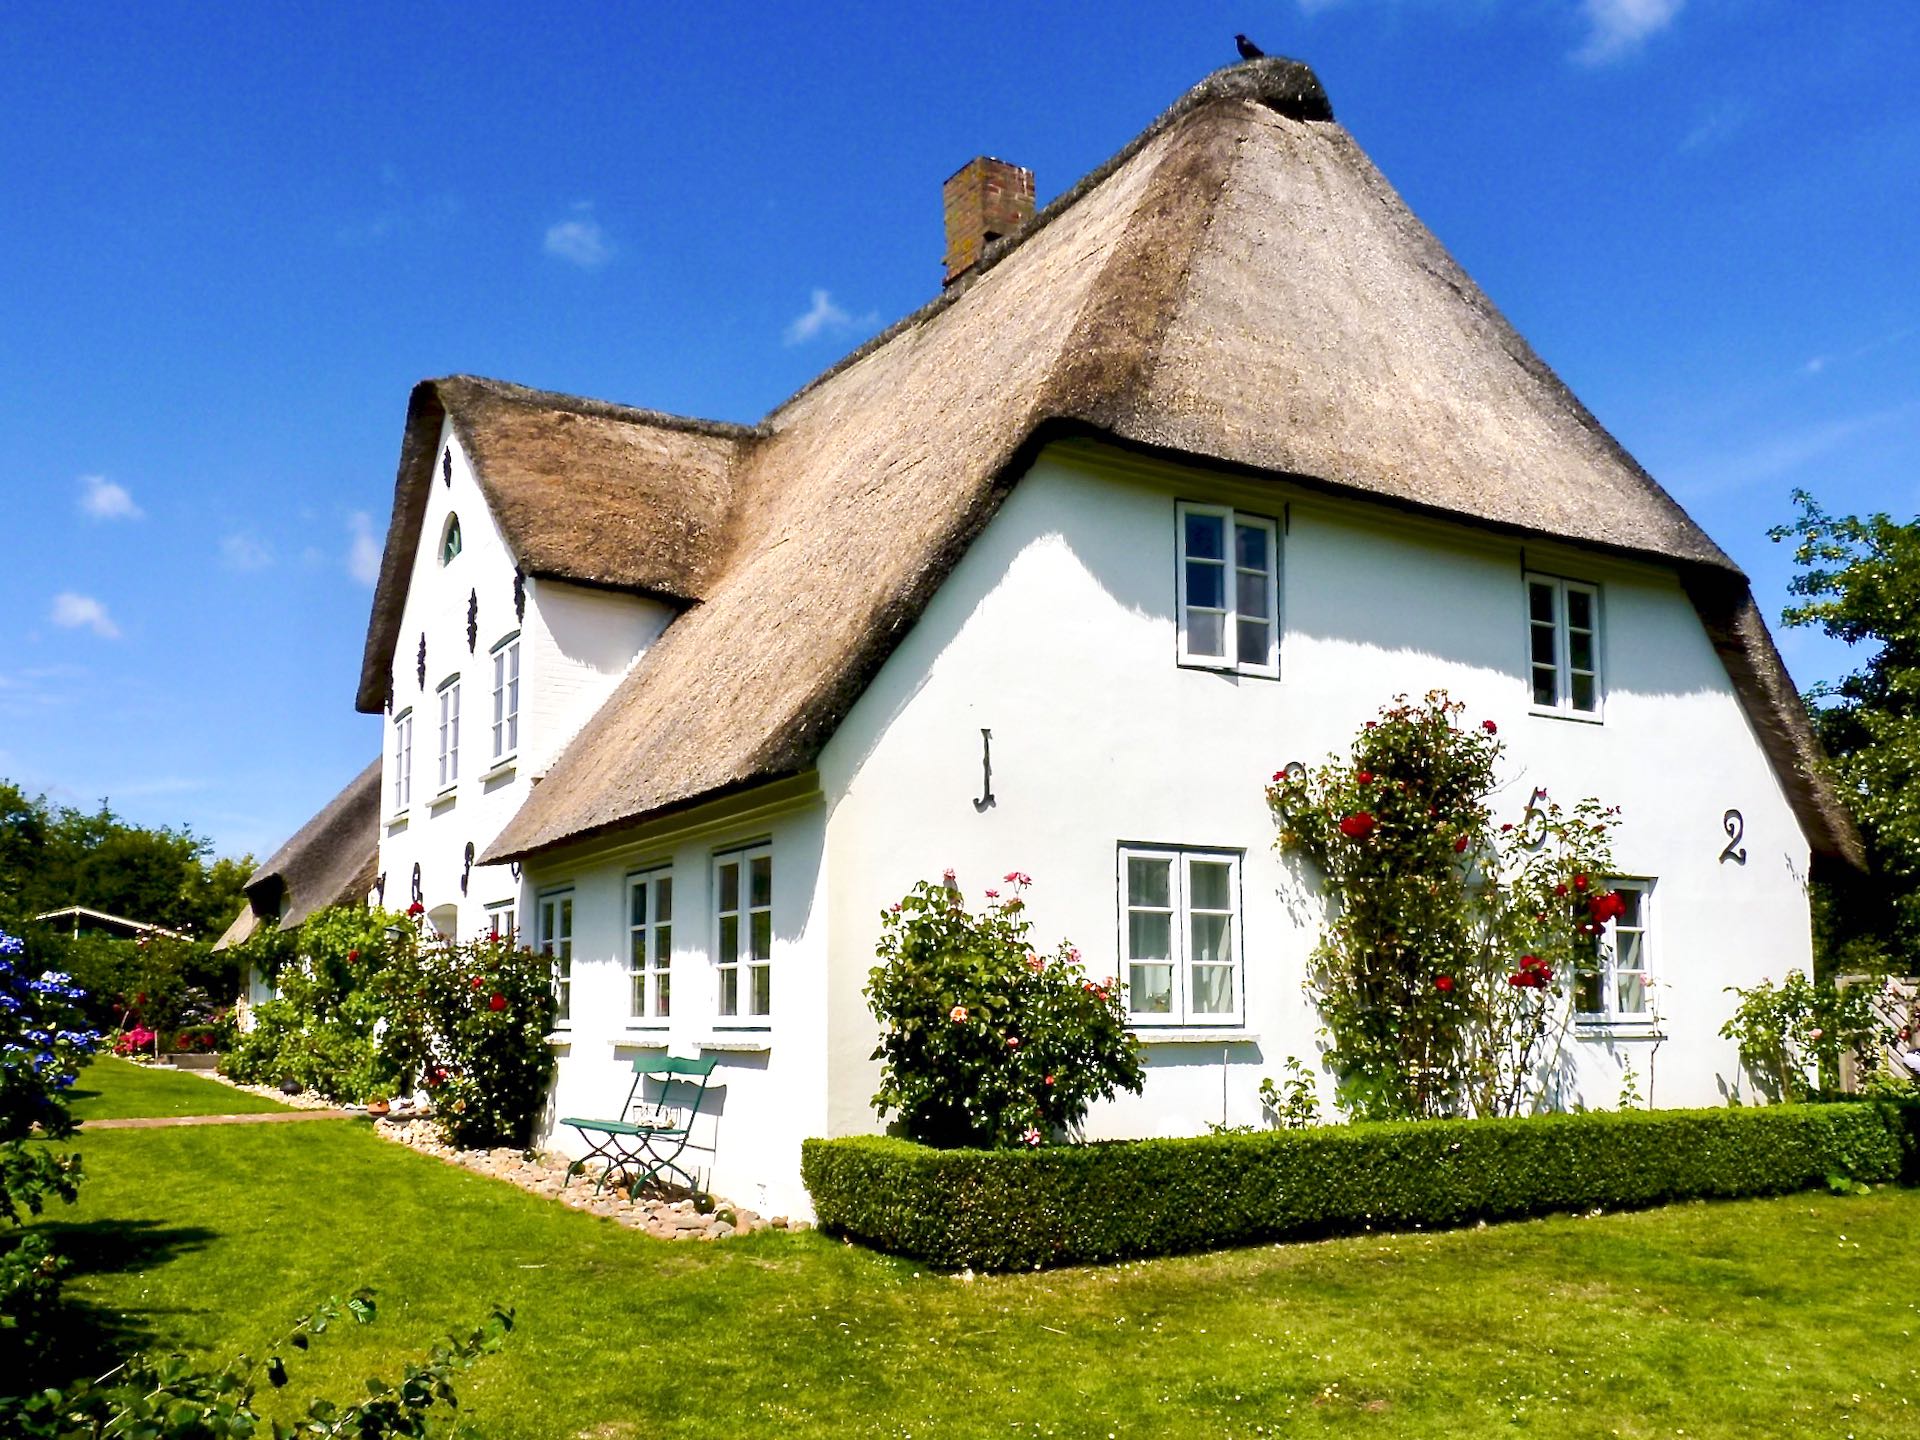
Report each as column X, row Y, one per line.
column 984, row 199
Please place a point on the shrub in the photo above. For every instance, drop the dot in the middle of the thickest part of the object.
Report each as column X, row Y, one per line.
column 1002, row 1210
column 480, row 1028
column 1792, row 1035
column 172, row 1396
column 1443, row 973
column 984, row 1040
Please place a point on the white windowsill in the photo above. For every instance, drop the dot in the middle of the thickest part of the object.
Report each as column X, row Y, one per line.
column 1598, row 1028
column 444, row 801
column 560, row 1037
column 1579, row 717
column 501, row 768
column 397, row 822
column 1195, row 1035
column 643, row 1040
column 1223, row 667
column 745, row 1041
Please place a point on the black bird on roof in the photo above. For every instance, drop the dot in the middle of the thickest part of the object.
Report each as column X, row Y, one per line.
column 1248, row 50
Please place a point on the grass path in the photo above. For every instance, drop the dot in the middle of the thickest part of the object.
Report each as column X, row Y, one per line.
column 1793, row 1316
column 121, row 1090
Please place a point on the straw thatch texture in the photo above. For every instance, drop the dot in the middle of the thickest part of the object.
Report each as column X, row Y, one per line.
column 584, row 491
column 1238, row 285
column 331, row 860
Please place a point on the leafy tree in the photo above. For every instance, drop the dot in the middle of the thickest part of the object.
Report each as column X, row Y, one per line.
column 1859, row 582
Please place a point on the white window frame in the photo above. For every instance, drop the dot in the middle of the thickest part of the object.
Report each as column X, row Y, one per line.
column 1563, row 671
column 403, row 761
column 447, row 698
column 554, row 916
column 503, row 920
column 1181, row 858
column 650, row 948
column 1231, row 521
column 506, row 698
column 741, row 1013
column 1607, row 968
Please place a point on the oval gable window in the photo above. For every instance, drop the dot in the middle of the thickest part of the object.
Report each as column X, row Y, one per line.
column 450, row 540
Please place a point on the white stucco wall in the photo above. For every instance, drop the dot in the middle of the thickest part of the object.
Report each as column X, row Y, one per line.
column 1056, row 631
column 771, row 1075
column 575, row 644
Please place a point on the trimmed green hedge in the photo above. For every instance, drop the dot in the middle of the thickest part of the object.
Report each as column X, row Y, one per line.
column 1071, row 1204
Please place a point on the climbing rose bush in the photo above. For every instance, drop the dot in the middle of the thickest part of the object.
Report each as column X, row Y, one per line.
column 985, row 1040
column 1453, row 937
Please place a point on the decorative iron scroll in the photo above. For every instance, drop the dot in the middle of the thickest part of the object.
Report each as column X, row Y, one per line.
column 419, row 895
column 1735, row 824
column 519, row 594
column 473, row 618
column 420, row 665
column 380, row 888
column 467, row 869
column 446, row 467
column 986, row 801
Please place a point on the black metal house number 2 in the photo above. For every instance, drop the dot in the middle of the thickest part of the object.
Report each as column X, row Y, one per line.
column 1735, row 824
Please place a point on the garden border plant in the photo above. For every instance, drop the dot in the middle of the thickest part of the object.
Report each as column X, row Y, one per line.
column 1016, row 1210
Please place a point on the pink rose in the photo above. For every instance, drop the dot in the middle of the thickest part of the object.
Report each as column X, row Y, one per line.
column 958, row 1014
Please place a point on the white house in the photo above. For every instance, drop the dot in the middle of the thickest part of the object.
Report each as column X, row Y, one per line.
column 1177, row 482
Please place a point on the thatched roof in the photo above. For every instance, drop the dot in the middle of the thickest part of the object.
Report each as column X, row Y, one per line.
column 1238, row 286
column 331, row 860
column 598, row 494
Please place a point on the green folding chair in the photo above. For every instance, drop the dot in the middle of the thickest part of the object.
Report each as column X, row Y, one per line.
column 647, row 1140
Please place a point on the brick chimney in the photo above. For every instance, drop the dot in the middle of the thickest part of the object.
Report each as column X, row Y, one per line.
column 984, row 199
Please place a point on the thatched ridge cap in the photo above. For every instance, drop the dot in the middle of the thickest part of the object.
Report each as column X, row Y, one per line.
column 1288, row 87
column 464, row 388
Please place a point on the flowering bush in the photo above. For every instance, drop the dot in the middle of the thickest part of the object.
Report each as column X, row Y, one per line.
column 137, row 1041
column 985, row 1041
column 1451, row 939
column 1792, row 1035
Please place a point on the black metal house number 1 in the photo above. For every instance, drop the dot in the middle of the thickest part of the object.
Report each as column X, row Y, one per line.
column 1735, row 824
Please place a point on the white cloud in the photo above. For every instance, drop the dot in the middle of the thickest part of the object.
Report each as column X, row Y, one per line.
column 580, row 240
column 244, row 552
column 1616, row 27
column 83, row 612
column 821, row 316
column 363, row 550
column 104, row 500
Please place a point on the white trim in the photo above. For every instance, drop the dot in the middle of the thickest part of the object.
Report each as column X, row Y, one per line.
column 1563, row 707
column 553, row 909
column 654, row 972
column 1180, row 912
column 1609, row 1019
column 740, row 970
column 1231, row 522
column 503, row 728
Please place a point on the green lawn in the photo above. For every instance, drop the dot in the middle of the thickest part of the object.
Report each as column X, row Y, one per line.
column 1792, row 1316
column 112, row 1089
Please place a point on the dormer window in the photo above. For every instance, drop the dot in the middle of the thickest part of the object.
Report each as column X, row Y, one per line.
column 450, row 540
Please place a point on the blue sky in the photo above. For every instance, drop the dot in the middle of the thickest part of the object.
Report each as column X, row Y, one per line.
column 233, row 237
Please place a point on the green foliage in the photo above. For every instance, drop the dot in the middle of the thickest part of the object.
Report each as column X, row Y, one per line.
column 30, row 1277
column 368, row 1008
column 984, row 1040
column 51, row 856
column 1000, row 1210
column 1451, row 942
column 1295, row 1101
column 1792, row 1035
column 174, row 1397
column 1859, row 582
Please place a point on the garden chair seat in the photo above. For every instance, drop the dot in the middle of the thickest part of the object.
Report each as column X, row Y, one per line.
column 646, row 1140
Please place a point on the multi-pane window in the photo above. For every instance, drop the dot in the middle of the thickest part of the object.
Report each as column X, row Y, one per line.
column 1229, row 584
column 743, row 939
column 506, row 697
column 556, row 939
column 402, row 760
column 1179, row 936
column 503, row 921
column 1612, row 983
column 1563, row 639
column 449, row 698
column 650, row 944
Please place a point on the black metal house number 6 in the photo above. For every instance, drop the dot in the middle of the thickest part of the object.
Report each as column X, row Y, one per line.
column 1735, row 824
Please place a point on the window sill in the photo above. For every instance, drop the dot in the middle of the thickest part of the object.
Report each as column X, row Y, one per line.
column 443, row 802
column 1577, row 717
column 1603, row 1029
column 1195, row 1035
column 397, row 822
column 642, row 1040
column 563, row 1036
column 501, row 769
column 1222, row 667
column 749, row 1042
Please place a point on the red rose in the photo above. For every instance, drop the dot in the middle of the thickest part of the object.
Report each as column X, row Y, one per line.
column 1489, row 727
column 1560, row 889
column 1365, row 777
column 1516, row 980
column 1443, row 982
column 353, row 957
column 416, row 908
column 1357, row 826
column 1278, row 776
column 1460, row 845
column 1580, row 882
column 496, row 1001
column 476, row 982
